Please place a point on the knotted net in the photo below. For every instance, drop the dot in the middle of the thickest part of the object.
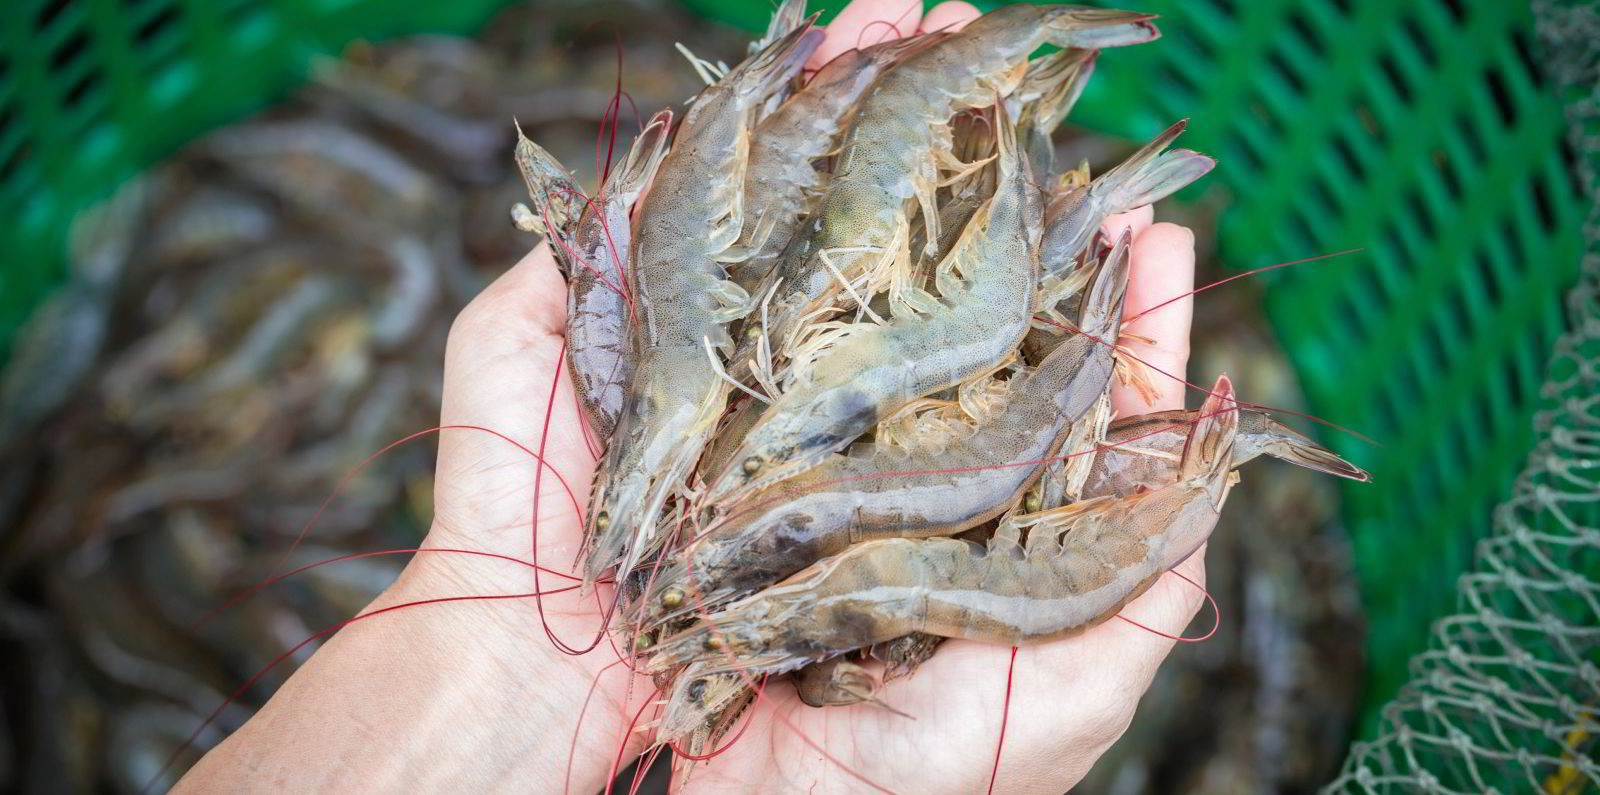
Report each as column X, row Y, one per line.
column 1506, row 697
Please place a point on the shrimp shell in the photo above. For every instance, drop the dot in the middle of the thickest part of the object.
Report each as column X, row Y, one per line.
column 1076, row 567
column 854, row 498
column 599, row 348
column 684, row 302
column 869, row 374
column 1143, row 452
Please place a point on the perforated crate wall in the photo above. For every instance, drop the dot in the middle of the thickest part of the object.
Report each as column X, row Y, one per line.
column 1418, row 130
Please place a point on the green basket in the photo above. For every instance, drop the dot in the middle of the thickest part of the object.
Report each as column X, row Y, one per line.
column 91, row 93
column 1417, row 130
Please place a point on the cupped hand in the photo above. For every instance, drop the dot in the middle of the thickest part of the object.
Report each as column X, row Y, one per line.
column 1069, row 699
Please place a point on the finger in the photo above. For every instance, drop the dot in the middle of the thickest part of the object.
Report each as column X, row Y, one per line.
column 864, row 23
column 1161, row 267
column 1135, row 221
column 503, row 357
column 949, row 16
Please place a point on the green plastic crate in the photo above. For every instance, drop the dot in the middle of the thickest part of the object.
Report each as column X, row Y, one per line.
column 94, row 91
column 1415, row 129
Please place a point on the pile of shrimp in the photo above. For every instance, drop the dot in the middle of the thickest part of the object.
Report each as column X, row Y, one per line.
column 850, row 343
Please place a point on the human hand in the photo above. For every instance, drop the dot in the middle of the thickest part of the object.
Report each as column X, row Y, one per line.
column 1070, row 699
column 476, row 695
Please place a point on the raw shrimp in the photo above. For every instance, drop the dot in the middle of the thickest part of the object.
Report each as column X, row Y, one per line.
column 1074, row 214
column 599, row 346
column 701, row 706
column 1077, row 566
column 782, row 181
column 1048, row 91
column 1143, row 452
column 898, row 139
column 557, row 200
column 868, row 371
column 691, row 215
column 1147, row 176
column 853, row 498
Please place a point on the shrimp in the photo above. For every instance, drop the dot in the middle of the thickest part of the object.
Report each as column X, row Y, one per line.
column 899, row 136
column 1048, row 91
column 1143, row 452
column 702, row 706
column 782, row 181
column 599, row 346
column 1074, row 214
column 1147, row 176
column 1076, row 567
column 557, row 202
column 854, row 498
column 684, row 300
column 869, row 371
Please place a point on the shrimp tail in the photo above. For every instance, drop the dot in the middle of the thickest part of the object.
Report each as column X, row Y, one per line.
column 1150, row 174
column 768, row 70
column 643, row 157
column 1094, row 28
column 1296, row 448
column 1102, row 311
column 1208, row 453
column 787, row 18
column 1058, row 80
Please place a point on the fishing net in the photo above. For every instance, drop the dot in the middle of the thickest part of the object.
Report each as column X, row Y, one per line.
column 1505, row 697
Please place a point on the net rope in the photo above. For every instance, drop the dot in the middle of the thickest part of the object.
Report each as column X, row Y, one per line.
column 1507, row 696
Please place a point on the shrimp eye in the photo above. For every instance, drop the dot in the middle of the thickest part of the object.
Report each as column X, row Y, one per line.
column 752, row 332
column 672, row 598
column 602, row 521
column 643, row 642
column 1031, row 502
column 697, row 690
column 751, row 465
column 715, row 642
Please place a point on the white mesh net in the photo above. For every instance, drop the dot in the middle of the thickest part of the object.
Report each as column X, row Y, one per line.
column 1506, row 697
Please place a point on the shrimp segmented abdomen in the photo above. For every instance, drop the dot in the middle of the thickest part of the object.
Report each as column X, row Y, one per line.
column 1079, row 565
column 683, row 302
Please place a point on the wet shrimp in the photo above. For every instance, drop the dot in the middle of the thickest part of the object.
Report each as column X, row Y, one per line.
column 874, row 493
column 869, row 371
column 782, row 182
column 1075, row 213
column 1143, row 452
column 600, row 349
column 1076, row 566
column 691, row 215
column 900, row 136
column 1048, row 91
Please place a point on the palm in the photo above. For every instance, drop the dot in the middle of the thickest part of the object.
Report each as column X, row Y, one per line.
column 1070, row 699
